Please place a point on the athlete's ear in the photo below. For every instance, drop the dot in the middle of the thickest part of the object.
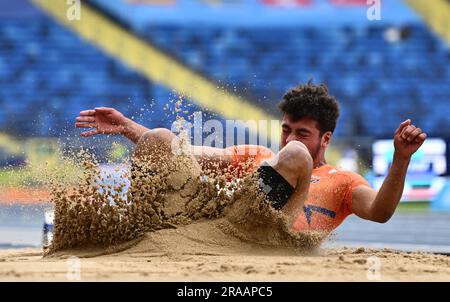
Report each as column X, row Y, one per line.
column 326, row 139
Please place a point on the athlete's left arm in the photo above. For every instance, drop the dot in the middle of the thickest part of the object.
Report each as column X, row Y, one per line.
column 380, row 206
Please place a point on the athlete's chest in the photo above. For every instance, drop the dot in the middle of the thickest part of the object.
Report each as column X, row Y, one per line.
column 327, row 190
column 325, row 207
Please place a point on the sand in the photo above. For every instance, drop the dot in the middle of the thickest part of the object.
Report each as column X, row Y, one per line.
column 208, row 250
column 170, row 255
column 176, row 223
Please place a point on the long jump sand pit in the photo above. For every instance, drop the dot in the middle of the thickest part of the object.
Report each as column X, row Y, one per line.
column 201, row 252
column 174, row 227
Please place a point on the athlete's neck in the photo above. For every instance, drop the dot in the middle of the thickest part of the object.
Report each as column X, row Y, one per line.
column 319, row 162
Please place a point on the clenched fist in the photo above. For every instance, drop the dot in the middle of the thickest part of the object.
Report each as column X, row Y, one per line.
column 408, row 139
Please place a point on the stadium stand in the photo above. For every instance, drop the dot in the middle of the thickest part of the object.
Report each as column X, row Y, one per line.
column 48, row 74
column 381, row 72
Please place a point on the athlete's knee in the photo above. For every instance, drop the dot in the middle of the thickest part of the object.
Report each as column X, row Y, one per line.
column 157, row 136
column 155, row 140
column 295, row 157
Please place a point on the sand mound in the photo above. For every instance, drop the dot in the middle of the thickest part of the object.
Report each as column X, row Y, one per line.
column 216, row 237
column 198, row 238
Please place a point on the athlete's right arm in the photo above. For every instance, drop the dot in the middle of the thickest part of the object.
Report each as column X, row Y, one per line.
column 109, row 121
column 104, row 120
column 213, row 158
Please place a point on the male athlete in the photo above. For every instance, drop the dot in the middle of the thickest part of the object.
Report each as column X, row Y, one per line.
column 297, row 180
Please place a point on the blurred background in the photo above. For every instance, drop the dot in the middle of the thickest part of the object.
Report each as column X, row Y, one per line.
column 385, row 61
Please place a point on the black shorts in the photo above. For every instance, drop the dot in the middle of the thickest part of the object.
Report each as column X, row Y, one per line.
column 277, row 189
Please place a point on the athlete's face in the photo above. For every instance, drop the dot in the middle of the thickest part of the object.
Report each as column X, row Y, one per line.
column 305, row 130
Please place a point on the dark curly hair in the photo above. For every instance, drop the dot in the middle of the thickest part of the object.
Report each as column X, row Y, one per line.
column 311, row 101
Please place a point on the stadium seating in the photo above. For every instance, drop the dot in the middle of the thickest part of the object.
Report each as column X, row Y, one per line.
column 378, row 82
column 48, row 74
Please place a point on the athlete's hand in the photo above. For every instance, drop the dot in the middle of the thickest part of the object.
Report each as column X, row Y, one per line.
column 408, row 139
column 103, row 120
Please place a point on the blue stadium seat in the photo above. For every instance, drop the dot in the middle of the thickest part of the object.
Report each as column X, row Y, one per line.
column 371, row 77
column 48, row 74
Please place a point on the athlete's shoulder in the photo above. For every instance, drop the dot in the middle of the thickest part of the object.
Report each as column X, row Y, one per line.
column 349, row 178
column 354, row 179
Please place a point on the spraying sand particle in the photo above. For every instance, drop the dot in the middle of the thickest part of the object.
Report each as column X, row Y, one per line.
column 165, row 199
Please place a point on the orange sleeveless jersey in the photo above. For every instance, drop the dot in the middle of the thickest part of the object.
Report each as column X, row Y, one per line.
column 329, row 200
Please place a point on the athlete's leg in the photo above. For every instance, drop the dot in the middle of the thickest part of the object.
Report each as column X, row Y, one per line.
column 294, row 164
column 158, row 151
column 162, row 144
